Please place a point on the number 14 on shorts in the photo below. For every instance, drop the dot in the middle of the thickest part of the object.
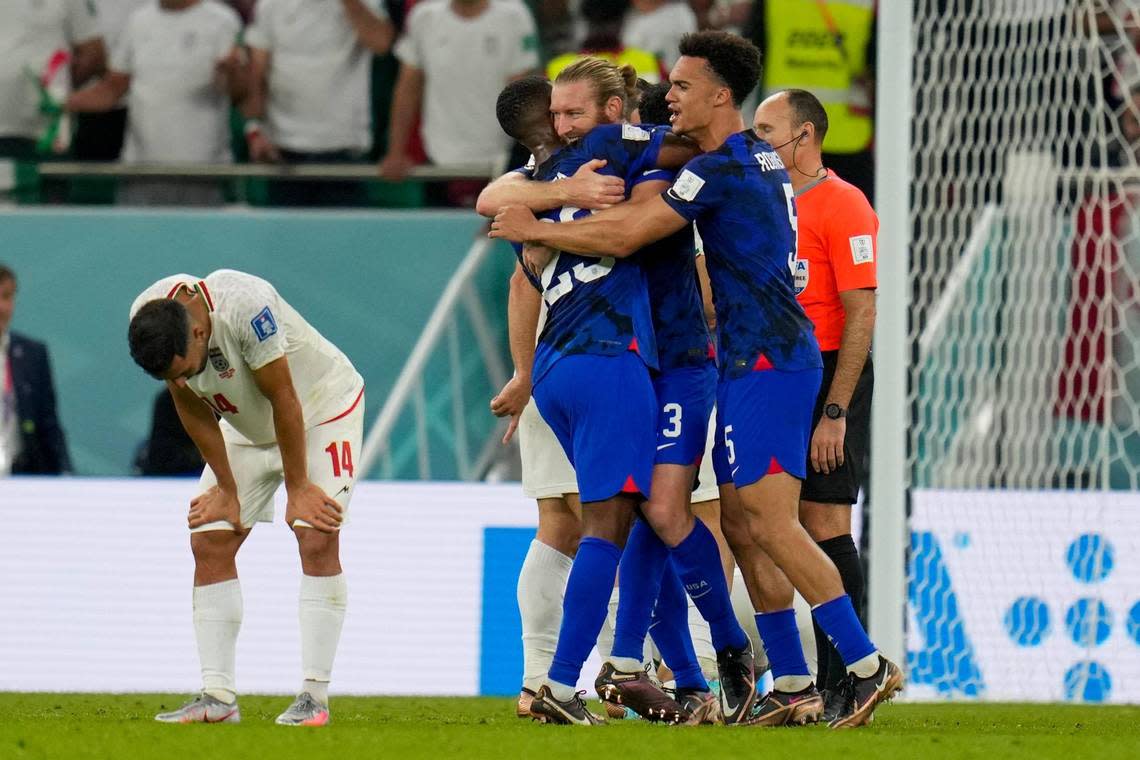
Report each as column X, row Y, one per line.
column 341, row 455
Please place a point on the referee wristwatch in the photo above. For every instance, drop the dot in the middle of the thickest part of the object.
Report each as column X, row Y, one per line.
column 834, row 411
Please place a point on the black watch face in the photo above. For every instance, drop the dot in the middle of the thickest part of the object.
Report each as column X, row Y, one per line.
column 832, row 411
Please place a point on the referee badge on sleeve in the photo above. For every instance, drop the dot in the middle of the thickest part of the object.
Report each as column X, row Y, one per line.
column 862, row 249
column 800, row 275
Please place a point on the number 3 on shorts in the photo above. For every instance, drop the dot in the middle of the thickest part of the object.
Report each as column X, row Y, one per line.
column 728, row 445
column 674, row 429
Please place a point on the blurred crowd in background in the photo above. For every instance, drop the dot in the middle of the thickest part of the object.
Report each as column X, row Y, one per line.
column 391, row 83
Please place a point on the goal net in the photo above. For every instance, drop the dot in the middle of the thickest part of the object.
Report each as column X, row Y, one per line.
column 1024, row 373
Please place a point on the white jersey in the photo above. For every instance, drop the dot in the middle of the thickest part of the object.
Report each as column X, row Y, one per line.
column 251, row 325
column 176, row 111
column 660, row 30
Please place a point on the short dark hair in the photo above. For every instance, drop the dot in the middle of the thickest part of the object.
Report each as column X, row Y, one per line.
column 7, row 274
column 159, row 331
column 520, row 103
column 731, row 58
column 652, row 106
column 806, row 107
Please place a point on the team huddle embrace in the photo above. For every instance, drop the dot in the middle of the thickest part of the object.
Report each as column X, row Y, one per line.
column 628, row 378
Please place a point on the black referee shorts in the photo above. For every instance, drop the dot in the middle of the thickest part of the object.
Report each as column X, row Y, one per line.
column 841, row 486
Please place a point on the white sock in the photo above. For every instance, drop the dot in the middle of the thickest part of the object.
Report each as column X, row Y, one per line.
column 561, row 691
column 606, row 635
column 318, row 690
column 541, row 587
column 791, row 684
column 217, row 620
column 807, row 633
column 323, row 601
column 702, row 642
column 865, row 667
column 625, row 664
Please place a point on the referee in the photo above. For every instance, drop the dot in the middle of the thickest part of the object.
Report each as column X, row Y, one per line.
column 835, row 283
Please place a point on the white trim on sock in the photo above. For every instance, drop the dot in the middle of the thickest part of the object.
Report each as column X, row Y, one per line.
column 323, row 600
column 541, row 588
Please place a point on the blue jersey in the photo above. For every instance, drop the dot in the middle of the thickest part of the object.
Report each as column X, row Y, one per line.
column 742, row 201
column 675, row 294
column 596, row 306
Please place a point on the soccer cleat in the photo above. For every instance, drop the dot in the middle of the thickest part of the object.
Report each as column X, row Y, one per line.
column 305, row 711
column 546, row 709
column 737, row 683
column 782, row 708
column 203, row 709
column 703, row 707
column 867, row 693
column 637, row 692
column 522, row 707
column 835, row 700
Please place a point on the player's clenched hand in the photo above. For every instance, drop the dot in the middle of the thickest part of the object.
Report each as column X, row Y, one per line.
column 536, row 258
column 511, row 400
column 311, row 504
column 212, row 506
column 590, row 190
column 514, row 223
column 827, row 445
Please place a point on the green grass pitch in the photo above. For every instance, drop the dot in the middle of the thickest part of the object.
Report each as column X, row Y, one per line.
column 122, row 727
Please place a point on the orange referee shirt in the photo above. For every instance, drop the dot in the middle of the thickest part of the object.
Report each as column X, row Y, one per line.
column 836, row 251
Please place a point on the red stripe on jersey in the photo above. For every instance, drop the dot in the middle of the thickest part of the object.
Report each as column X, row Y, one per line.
column 206, row 294
column 175, row 289
column 762, row 364
column 712, row 350
column 630, row 486
column 633, row 345
column 774, row 467
column 346, row 412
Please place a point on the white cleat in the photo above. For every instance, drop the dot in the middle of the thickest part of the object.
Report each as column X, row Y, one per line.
column 203, row 709
column 305, row 711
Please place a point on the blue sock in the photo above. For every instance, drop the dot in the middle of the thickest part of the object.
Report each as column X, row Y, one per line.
column 697, row 560
column 670, row 631
column 838, row 620
column 639, row 578
column 781, row 639
column 584, row 607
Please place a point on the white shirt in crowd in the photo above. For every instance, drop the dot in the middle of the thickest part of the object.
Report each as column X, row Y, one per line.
column 251, row 325
column 466, row 62
column 30, row 33
column 177, row 112
column 113, row 15
column 10, row 441
column 320, row 76
column 660, row 31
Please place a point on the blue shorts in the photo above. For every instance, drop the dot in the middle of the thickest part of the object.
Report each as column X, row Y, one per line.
column 685, row 397
column 603, row 411
column 764, row 422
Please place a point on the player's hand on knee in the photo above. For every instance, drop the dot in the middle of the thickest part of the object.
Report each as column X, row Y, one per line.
column 590, row 190
column 214, row 505
column 312, row 505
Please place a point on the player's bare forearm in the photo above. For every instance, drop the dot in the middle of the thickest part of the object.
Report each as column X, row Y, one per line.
column 257, row 85
column 373, row 32
column 514, row 189
column 202, row 426
column 88, row 60
column 276, row 383
column 619, row 231
column 406, row 101
column 523, row 306
column 676, row 151
column 854, row 344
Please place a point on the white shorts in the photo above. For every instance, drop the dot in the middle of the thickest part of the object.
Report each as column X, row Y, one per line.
column 707, row 490
column 330, row 449
column 546, row 472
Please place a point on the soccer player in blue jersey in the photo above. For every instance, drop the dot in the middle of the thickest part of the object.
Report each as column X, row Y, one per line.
column 741, row 199
column 598, row 329
column 588, row 93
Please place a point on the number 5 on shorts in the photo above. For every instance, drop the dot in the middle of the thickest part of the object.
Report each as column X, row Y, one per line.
column 341, row 460
column 728, row 445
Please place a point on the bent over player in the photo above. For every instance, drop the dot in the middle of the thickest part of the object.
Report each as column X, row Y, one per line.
column 291, row 408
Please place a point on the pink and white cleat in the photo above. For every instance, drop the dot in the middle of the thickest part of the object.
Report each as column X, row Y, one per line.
column 203, row 709
column 305, row 711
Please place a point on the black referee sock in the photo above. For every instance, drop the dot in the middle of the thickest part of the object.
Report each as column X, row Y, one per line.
column 845, row 555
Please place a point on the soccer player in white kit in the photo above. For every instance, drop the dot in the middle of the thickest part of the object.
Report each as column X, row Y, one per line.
column 266, row 399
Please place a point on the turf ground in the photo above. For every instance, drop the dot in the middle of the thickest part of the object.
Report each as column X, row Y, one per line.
column 122, row 727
